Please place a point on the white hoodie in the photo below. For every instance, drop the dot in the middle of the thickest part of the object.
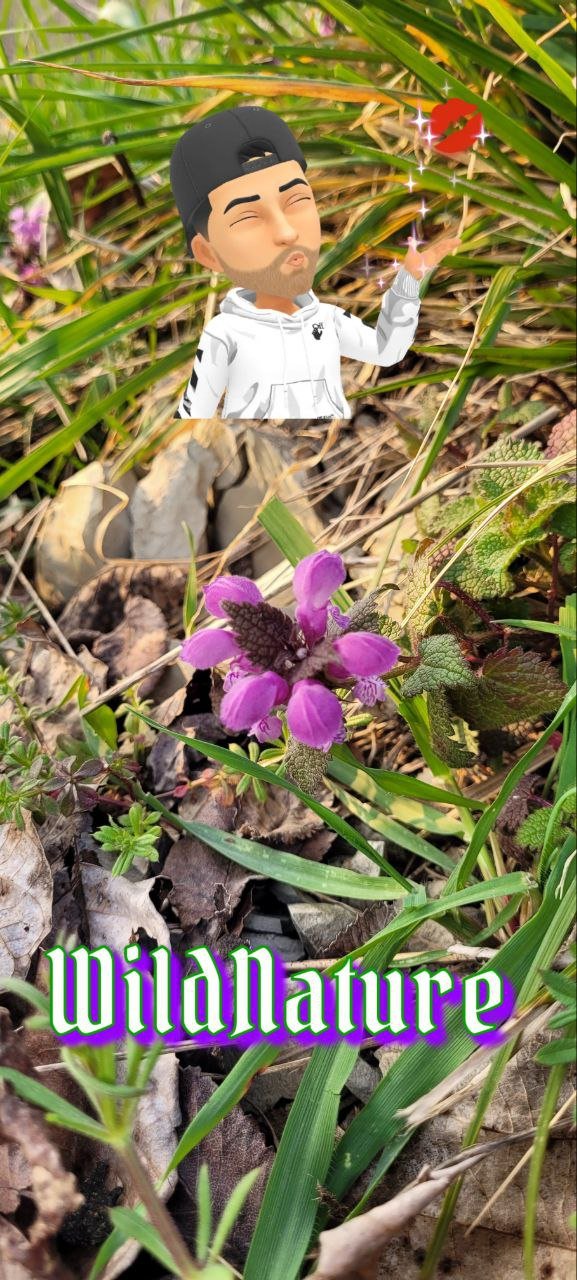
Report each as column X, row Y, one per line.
column 274, row 365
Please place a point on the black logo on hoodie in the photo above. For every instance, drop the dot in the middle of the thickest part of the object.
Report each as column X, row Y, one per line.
column 318, row 330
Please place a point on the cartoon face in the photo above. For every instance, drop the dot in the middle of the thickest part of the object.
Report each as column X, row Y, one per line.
column 263, row 231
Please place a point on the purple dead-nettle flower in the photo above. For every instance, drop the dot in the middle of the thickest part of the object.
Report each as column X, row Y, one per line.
column 315, row 580
column 369, row 690
column 252, row 698
column 210, row 648
column 327, row 25
column 361, row 653
column 25, row 231
column 277, row 664
column 268, row 729
column 230, row 587
column 315, row 715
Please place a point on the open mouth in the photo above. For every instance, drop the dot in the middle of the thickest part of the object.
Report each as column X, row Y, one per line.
column 296, row 260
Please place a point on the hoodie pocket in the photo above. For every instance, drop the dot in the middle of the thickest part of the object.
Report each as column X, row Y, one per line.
column 303, row 399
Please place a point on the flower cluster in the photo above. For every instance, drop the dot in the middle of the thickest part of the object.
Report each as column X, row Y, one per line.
column 277, row 664
column 25, row 231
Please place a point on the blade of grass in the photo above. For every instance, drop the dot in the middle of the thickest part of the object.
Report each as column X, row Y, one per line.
column 241, row 764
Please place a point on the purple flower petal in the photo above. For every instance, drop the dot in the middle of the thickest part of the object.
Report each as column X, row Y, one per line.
column 369, row 690
column 314, row 715
column 327, row 25
column 251, row 699
column 362, row 653
column 316, row 577
column 241, row 666
column 341, row 619
column 230, row 587
column 312, row 622
column 208, row 648
column 268, row 729
column 337, row 673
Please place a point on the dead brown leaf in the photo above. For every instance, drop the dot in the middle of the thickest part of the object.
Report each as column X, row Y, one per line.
column 25, row 896
column 233, row 1148
column 51, row 673
column 117, row 909
column 99, row 604
column 205, row 885
column 352, row 1250
column 19, row 1260
column 139, row 638
column 283, row 820
column 53, row 1188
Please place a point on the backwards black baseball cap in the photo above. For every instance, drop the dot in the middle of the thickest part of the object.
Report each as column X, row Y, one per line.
column 218, row 149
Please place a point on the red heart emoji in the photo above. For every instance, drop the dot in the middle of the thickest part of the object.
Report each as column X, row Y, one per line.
column 445, row 114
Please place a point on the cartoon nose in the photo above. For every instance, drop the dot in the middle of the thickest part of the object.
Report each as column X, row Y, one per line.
column 283, row 232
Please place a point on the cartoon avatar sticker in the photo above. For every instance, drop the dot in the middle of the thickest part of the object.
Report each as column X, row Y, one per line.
column 247, row 209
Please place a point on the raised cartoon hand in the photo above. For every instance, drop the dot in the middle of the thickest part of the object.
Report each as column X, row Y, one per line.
column 419, row 263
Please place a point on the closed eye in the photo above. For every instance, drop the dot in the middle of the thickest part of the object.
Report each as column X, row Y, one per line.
column 248, row 217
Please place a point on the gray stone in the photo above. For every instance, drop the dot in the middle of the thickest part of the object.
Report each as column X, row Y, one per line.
column 363, row 1080
column 273, row 465
column 221, row 439
column 235, row 510
column 319, row 923
column 174, row 491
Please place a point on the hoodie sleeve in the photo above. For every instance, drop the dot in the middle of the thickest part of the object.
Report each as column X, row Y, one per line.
column 207, row 380
column 396, row 325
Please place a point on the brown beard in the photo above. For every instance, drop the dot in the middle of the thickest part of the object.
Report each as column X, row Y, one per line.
column 271, row 279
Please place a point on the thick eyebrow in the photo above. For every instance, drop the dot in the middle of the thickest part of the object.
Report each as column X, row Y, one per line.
column 293, row 182
column 239, row 200
column 244, row 199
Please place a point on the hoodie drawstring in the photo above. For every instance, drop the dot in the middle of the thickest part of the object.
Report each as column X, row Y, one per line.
column 284, row 359
column 308, row 362
column 283, row 356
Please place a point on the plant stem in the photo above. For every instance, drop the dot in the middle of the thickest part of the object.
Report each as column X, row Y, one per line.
column 158, row 1215
column 552, row 1090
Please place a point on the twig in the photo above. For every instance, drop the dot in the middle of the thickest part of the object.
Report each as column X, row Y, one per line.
column 517, row 1168
column 42, row 608
column 26, row 545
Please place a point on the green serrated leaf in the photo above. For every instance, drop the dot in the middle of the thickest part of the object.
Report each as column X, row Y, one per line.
column 482, row 569
column 441, row 721
column 435, row 517
column 442, row 667
column 564, row 521
column 531, row 833
column 493, row 483
column 512, row 686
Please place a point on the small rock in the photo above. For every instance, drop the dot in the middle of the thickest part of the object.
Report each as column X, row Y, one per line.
column 361, row 863
column 271, row 462
column 319, row 923
column 175, row 490
column 66, row 556
column 363, row 1079
column 281, row 1080
column 259, row 922
column 221, row 439
column 289, row 949
column 430, row 936
column 235, row 509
